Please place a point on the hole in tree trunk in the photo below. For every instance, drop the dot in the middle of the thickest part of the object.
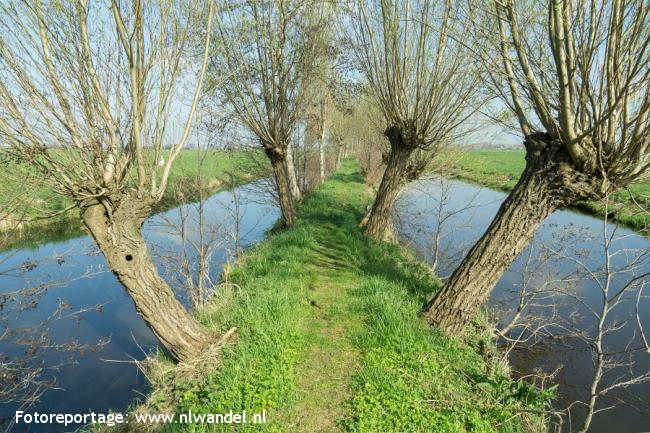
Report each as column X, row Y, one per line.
column 129, row 257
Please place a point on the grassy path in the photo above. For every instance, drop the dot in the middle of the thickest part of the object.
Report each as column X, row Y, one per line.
column 324, row 375
column 500, row 169
column 330, row 340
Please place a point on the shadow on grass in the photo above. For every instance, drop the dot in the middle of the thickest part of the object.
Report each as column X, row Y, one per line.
column 341, row 243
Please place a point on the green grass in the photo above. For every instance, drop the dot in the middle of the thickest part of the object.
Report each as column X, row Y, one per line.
column 500, row 169
column 38, row 199
column 330, row 339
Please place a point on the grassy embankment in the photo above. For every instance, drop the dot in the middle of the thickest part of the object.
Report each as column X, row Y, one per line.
column 18, row 183
column 329, row 339
column 500, row 169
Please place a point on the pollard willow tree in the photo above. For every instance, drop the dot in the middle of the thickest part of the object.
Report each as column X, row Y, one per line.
column 88, row 98
column 267, row 49
column 423, row 81
column 576, row 76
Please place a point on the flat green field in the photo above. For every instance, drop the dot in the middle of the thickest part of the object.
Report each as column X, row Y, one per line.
column 500, row 169
column 31, row 199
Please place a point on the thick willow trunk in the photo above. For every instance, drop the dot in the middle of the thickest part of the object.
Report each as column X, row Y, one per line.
column 379, row 221
column 549, row 182
column 120, row 239
column 283, row 185
column 291, row 172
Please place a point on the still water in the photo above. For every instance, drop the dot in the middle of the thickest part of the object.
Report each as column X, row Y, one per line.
column 107, row 380
column 562, row 271
column 565, row 259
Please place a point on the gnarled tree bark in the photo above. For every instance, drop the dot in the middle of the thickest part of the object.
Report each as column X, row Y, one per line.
column 379, row 221
column 550, row 181
column 117, row 233
column 283, row 183
column 291, row 172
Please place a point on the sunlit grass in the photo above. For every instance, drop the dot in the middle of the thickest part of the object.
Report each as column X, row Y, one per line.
column 500, row 169
column 330, row 339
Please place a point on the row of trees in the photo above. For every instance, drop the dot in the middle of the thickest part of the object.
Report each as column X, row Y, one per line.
column 100, row 100
column 91, row 95
column 573, row 76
